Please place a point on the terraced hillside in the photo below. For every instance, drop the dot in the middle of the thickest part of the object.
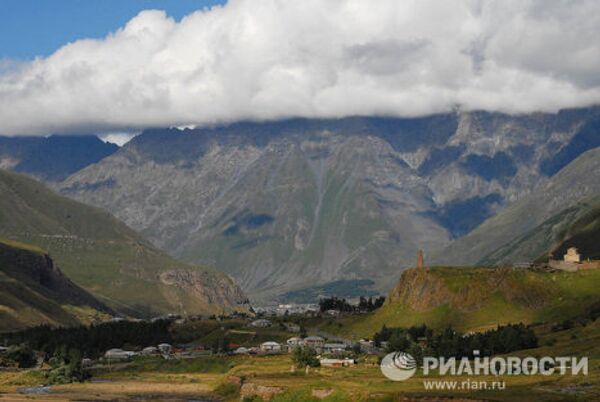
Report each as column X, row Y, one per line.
column 107, row 258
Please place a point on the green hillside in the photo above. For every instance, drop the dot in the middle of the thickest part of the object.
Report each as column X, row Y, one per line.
column 106, row 257
column 481, row 298
column 33, row 291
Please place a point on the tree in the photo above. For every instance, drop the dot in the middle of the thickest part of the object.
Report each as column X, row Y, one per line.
column 22, row 355
column 303, row 357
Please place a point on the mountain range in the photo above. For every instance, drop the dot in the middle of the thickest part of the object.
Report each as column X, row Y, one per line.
column 52, row 158
column 289, row 207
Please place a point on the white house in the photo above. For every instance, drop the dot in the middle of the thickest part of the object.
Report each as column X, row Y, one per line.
column 337, row 362
column 150, row 350
column 261, row 323
column 118, row 354
column 270, row 347
column 572, row 255
column 241, row 351
column 165, row 348
column 295, row 342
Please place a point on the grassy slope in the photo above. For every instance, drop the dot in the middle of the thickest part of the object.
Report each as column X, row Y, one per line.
column 94, row 249
column 480, row 298
column 31, row 293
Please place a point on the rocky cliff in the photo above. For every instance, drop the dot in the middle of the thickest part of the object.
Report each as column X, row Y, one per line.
column 34, row 291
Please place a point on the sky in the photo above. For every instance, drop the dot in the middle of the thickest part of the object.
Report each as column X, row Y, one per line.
column 116, row 67
column 32, row 28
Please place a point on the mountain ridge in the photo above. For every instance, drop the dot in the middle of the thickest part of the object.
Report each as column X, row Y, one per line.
column 52, row 158
column 292, row 204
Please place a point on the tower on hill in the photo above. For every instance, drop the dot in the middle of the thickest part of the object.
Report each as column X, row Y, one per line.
column 420, row 263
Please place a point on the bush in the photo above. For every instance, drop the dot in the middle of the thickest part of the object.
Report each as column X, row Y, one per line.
column 66, row 367
column 227, row 390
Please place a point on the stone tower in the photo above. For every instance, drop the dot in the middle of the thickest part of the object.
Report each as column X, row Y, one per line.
column 420, row 263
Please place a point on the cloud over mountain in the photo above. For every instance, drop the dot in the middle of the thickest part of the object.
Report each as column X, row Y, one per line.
column 268, row 59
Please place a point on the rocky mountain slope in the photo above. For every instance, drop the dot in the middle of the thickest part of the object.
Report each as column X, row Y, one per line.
column 532, row 226
column 107, row 258
column 52, row 158
column 34, row 291
column 292, row 204
column 575, row 226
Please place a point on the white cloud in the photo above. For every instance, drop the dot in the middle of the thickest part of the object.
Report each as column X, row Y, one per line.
column 119, row 139
column 264, row 59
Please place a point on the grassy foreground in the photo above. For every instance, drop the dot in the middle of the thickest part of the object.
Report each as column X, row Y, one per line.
column 220, row 377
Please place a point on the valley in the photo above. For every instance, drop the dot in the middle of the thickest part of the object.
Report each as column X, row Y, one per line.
column 299, row 201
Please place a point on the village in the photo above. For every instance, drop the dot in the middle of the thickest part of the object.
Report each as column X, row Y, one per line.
column 235, row 336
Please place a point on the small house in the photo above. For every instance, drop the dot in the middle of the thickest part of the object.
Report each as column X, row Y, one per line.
column 295, row 342
column 315, row 342
column 118, row 354
column 165, row 348
column 260, row 323
column 334, row 348
column 241, row 351
column 572, row 255
column 150, row 350
column 337, row 362
column 270, row 347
